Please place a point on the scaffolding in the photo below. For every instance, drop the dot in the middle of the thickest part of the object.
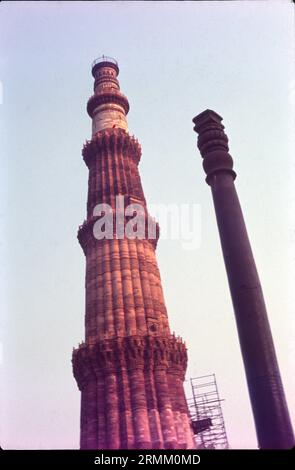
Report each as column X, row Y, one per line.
column 206, row 413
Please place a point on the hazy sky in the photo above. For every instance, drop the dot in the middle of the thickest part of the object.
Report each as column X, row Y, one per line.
column 176, row 59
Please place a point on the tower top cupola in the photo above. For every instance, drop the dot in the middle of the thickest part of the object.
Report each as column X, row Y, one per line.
column 107, row 107
column 104, row 61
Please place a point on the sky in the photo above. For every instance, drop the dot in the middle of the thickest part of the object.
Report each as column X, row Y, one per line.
column 176, row 59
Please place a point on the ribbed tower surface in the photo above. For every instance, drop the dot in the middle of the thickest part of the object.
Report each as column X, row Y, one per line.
column 130, row 369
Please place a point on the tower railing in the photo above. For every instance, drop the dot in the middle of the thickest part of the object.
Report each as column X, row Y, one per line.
column 104, row 58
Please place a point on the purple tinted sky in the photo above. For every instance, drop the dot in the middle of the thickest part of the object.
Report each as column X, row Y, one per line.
column 176, row 59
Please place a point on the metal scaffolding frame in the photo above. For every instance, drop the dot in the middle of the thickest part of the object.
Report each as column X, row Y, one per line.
column 206, row 413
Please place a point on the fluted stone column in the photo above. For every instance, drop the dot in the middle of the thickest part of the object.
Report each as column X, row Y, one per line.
column 271, row 416
column 123, row 368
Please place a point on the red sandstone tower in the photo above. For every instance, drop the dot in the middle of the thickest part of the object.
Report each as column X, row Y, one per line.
column 130, row 369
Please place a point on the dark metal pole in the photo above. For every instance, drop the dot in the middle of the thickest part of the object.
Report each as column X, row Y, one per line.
column 271, row 416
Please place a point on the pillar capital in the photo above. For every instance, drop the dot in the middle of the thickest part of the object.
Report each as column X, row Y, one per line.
column 213, row 144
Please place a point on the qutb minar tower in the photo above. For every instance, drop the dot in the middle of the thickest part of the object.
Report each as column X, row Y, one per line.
column 130, row 369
